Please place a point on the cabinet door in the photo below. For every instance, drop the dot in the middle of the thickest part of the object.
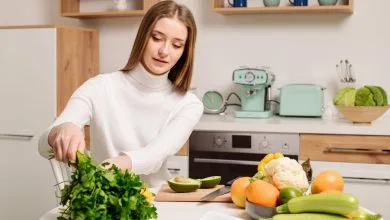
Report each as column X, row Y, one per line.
column 178, row 166
column 372, row 195
column 345, row 148
column 27, row 85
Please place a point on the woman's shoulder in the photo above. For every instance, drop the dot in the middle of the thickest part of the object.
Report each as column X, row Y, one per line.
column 103, row 78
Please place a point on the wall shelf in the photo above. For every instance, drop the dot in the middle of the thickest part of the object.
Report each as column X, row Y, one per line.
column 219, row 7
column 71, row 8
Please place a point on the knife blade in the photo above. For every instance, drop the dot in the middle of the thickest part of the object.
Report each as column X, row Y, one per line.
column 215, row 193
column 218, row 192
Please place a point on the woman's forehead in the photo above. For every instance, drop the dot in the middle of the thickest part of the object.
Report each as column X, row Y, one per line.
column 172, row 28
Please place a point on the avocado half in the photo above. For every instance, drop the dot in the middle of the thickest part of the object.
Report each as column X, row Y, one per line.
column 183, row 184
column 210, row 182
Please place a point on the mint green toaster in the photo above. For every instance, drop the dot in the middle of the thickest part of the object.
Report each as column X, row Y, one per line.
column 302, row 100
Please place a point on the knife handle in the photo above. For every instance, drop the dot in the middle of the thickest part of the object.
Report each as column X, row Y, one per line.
column 230, row 182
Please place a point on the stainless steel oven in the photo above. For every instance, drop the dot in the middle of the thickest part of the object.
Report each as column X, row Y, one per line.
column 234, row 154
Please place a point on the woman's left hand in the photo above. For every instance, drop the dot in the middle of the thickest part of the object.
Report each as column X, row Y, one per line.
column 123, row 162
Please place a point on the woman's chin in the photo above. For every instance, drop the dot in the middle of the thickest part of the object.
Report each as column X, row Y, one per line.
column 158, row 70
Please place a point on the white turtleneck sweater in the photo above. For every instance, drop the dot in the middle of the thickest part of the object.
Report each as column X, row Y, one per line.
column 135, row 113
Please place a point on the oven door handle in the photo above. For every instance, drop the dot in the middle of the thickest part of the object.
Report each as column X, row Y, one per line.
column 223, row 161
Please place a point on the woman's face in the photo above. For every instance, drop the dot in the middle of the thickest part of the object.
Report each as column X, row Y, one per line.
column 165, row 45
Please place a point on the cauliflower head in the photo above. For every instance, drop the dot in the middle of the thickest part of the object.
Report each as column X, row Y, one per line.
column 286, row 172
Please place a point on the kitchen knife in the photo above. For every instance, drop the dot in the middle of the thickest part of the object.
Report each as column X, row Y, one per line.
column 218, row 192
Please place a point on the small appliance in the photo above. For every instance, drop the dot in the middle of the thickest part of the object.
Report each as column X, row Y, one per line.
column 255, row 87
column 304, row 100
column 213, row 102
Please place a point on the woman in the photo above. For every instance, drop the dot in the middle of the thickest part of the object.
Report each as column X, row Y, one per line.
column 143, row 113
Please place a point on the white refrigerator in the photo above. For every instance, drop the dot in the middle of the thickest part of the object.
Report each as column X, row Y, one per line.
column 29, row 58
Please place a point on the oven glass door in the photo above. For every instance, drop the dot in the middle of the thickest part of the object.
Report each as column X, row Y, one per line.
column 227, row 165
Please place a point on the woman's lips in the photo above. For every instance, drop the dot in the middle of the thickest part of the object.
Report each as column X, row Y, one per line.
column 160, row 61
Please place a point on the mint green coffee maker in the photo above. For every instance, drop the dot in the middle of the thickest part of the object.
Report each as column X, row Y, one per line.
column 255, row 87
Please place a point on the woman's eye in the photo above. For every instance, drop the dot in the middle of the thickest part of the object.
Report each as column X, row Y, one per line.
column 177, row 46
column 155, row 38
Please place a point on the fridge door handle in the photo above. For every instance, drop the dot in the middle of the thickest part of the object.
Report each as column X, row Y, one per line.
column 16, row 136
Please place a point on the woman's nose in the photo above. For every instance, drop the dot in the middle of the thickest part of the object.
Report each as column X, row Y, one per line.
column 163, row 50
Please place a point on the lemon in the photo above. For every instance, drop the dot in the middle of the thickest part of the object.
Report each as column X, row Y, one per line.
column 267, row 159
column 147, row 194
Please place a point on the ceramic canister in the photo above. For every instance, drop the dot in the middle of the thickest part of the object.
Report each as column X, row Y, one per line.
column 271, row 3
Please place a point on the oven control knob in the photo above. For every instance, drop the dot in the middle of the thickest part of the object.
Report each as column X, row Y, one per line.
column 285, row 147
column 264, row 143
column 218, row 141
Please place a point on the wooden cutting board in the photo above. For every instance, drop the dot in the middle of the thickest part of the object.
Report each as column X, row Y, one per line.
column 165, row 194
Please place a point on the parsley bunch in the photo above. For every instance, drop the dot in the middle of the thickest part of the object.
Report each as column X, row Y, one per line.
column 97, row 193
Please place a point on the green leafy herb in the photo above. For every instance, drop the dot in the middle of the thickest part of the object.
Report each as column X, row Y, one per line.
column 98, row 193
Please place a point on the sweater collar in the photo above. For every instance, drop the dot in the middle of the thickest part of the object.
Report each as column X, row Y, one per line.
column 148, row 80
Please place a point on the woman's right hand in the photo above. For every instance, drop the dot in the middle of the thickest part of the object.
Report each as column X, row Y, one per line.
column 66, row 139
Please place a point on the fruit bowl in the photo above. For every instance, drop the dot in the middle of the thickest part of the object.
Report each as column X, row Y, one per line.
column 258, row 211
column 362, row 114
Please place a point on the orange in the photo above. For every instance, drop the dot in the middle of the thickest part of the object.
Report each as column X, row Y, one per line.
column 330, row 191
column 237, row 191
column 262, row 193
column 328, row 180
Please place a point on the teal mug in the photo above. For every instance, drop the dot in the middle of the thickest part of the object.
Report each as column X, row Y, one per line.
column 271, row 3
column 327, row 2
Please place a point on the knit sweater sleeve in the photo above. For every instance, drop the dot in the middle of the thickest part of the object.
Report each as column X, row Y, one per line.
column 78, row 110
column 150, row 158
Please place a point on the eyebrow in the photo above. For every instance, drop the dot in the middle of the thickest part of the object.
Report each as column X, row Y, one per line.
column 159, row 32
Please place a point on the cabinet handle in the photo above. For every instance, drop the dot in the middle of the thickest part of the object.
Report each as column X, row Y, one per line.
column 356, row 150
column 16, row 136
column 366, row 178
column 174, row 169
column 221, row 161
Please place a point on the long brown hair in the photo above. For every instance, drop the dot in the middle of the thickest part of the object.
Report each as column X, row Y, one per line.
column 181, row 73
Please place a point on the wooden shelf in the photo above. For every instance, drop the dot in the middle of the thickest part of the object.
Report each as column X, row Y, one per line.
column 71, row 9
column 105, row 14
column 219, row 7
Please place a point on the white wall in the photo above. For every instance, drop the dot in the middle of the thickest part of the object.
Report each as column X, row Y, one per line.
column 297, row 47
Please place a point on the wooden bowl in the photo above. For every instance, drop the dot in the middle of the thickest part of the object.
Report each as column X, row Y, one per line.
column 362, row 114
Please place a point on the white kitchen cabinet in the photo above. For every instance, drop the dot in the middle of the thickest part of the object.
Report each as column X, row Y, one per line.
column 178, row 166
column 40, row 66
column 362, row 160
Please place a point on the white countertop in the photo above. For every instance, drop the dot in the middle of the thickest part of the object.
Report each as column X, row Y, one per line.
column 186, row 210
column 326, row 125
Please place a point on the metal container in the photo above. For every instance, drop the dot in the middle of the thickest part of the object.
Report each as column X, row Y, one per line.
column 259, row 211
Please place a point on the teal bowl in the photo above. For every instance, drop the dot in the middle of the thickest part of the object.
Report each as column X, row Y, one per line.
column 271, row 3
column 327, row 2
